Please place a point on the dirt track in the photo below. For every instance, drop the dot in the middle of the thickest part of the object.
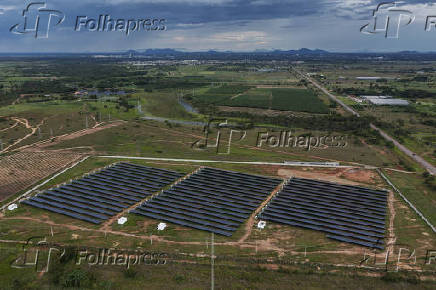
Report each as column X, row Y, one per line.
column 26, row 123
column 58, row 139
column 250, row 223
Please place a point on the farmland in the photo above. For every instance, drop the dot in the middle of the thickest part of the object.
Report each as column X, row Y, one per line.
column 299, row 100
column 282, row 99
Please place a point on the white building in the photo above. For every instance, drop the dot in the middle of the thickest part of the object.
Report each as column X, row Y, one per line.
column 389, row 102
column 375, row 97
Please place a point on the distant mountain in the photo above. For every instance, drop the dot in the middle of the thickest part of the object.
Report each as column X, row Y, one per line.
column 170, row 51
column 309, row 51
column 160, row 51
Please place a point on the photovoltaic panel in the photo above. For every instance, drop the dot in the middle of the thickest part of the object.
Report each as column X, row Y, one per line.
column 103, row 194
column 351, row 214
column 213, row 200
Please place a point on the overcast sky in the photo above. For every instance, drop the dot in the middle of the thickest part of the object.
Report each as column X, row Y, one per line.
column 197, row 25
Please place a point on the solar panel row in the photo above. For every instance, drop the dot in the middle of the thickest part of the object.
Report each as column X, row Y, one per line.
column 213, row 200
column 383, row 192
column 346, row 213
column 319, row 202
column 103, row 194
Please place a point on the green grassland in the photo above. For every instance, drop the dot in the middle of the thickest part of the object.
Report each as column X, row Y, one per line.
column 154, row 139
column 248, row 74
column 283, row 99
column 417, row 191
column 180, row 276
column 217, row 95
column 300, row 100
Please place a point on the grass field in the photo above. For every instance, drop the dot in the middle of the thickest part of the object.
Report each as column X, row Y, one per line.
column 180, row 276
column 416, row 190
column 283, row 99
column 299, row 100
column 218, row 95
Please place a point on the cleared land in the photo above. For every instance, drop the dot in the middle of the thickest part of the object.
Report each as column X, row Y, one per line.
column 21, row 170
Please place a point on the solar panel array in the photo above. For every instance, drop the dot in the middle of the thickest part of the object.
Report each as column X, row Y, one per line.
column 346, row 213
column 212, row 200
column 103, row 194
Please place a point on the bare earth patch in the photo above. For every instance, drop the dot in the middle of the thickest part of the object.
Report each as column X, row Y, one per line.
column 361, row 175
column 332, row 175
column 21, row 170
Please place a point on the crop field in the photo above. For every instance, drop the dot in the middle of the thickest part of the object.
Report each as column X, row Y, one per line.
column 220, row 94
column 282, row 99
column 299, row 100
column 242, row 74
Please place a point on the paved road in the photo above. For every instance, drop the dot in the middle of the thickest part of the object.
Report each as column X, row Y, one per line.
column 429, row 167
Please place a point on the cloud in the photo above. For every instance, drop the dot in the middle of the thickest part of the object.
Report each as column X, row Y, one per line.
column 221, row 24
column 188, row 2
column 241, row 36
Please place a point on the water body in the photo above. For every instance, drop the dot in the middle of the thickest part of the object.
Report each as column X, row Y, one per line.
column 106, row 93
column 188, row 107
column 179, row 122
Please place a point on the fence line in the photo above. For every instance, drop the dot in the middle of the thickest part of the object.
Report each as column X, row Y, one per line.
column 407, row 201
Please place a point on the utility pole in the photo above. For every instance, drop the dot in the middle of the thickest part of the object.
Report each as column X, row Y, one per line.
column 139, row 107
column 212, row 271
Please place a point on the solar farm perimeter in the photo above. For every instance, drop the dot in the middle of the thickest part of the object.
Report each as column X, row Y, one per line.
column 220, row 201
